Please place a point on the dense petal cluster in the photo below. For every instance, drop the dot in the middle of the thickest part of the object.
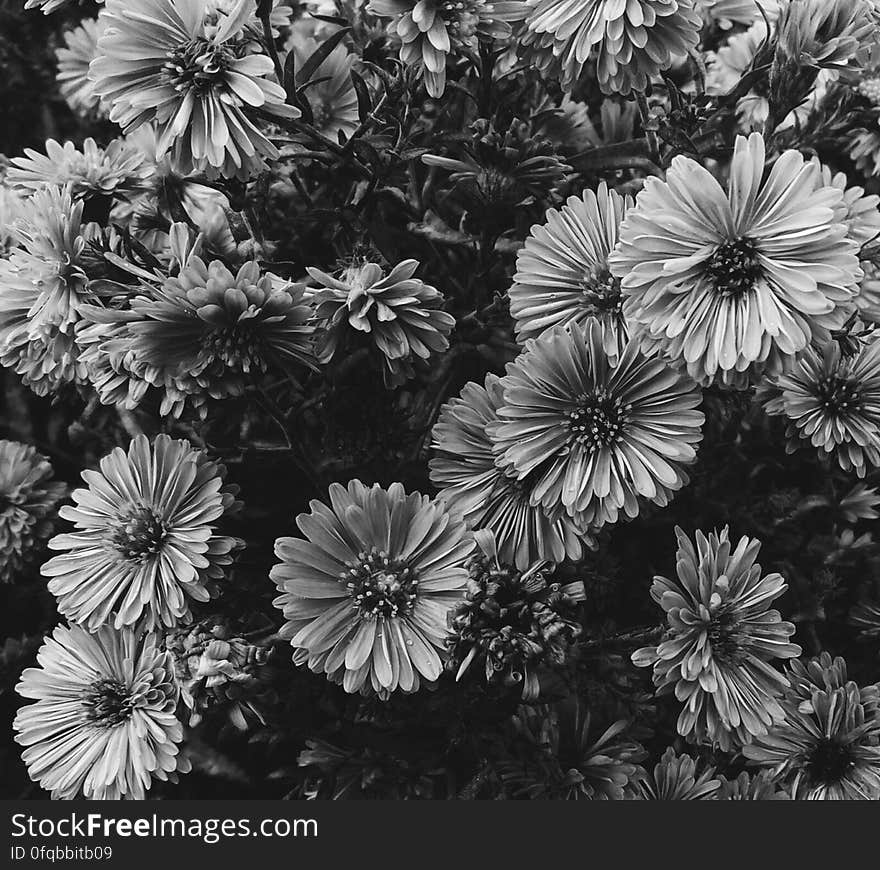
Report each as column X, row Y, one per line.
column 145, row 541
column 464, row 467
column 399, row 315
column 633, row 41
column 596, row 434
column 80, row 49
column 676, row 778
column 732, row 282
column 103, row 726
column 562, row 272
column 720, row 641
column 28, row 499
column 366, row 596
column 197, row 73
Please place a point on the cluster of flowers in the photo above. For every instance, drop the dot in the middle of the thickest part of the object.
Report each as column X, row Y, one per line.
column 149, row 276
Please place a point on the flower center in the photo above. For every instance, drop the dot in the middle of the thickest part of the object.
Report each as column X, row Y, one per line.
column 108, row 702
column 870, row 90
column 139, row 534
column 601, row 291
column 197, row 65
column 236, row 348
column 830, row 761
column 380, row 585
column 724, row 638
column 838, row 396
column 461, row 17
column 597, row 420
column 734, row 267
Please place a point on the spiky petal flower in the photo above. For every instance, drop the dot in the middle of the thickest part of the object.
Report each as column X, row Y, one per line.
column 596, row 435
column 469, row 479
column 827, row 747
column 366, row 596
column 42, row 288
column 198, row 74
column 145, row 542
column 81, row 48
column 633, row 41
column 117, row 170
column 832, row 402
column 28, row 497
column 730, row 282
column 398, row 314
column 103, row 725
column 562, row 272
column 430, row 30
column 676, row 778
column 210, row 330
column 720, row 640
column 513, row 624
column 751, row 787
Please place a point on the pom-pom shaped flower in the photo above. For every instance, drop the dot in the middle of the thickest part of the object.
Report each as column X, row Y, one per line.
column 720, row 641
column 28, row 497
column 730, row 282
column 42, row 287
column 366, row 596
column 197, row 73
column 145, row 541
column 566, row 758
column 209, row 330
column 513, row 624
column 595, row 435
column 431, row 30
column 828, row 745
column 832, row 402
column 398, row 314
column 117, row 170
column 633, row 41
column 80, row 49
column 471, row 482
column 562, row 272
column 103, row 726
column 676, row 778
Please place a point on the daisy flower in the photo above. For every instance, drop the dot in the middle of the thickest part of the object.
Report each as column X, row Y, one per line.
column 676, row 778
column 367, row 595
column 145, row 539
column 464, row 470
column 211, row 331
column 28, row 499
column 720, row 641
column 832, row 402
column 827, row 747
column 732, row 282
column 562, row 273
column 431, row 30
column 595, row 435
column 633, row 41
column 103, row 726
column 197, row 73
column 80, row 49
column 858, row 210
column 397, row 313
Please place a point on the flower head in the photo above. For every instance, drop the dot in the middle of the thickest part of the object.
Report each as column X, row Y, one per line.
column 730, row 282
column 513, row 624
column 198, row 74
column 832, row 402
column 633, row 41
column 469, row 479
column 103, row 725
column 144, row 543
column 209, row 330
column 676, row 778
column 28, row 498
column 720, row 640
column 366, row 596
column 398, row 313
column 430, row 30
column 562, row 272
column 751, row 787
column 81, row 48
column 828, row 745
column 594, row 434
